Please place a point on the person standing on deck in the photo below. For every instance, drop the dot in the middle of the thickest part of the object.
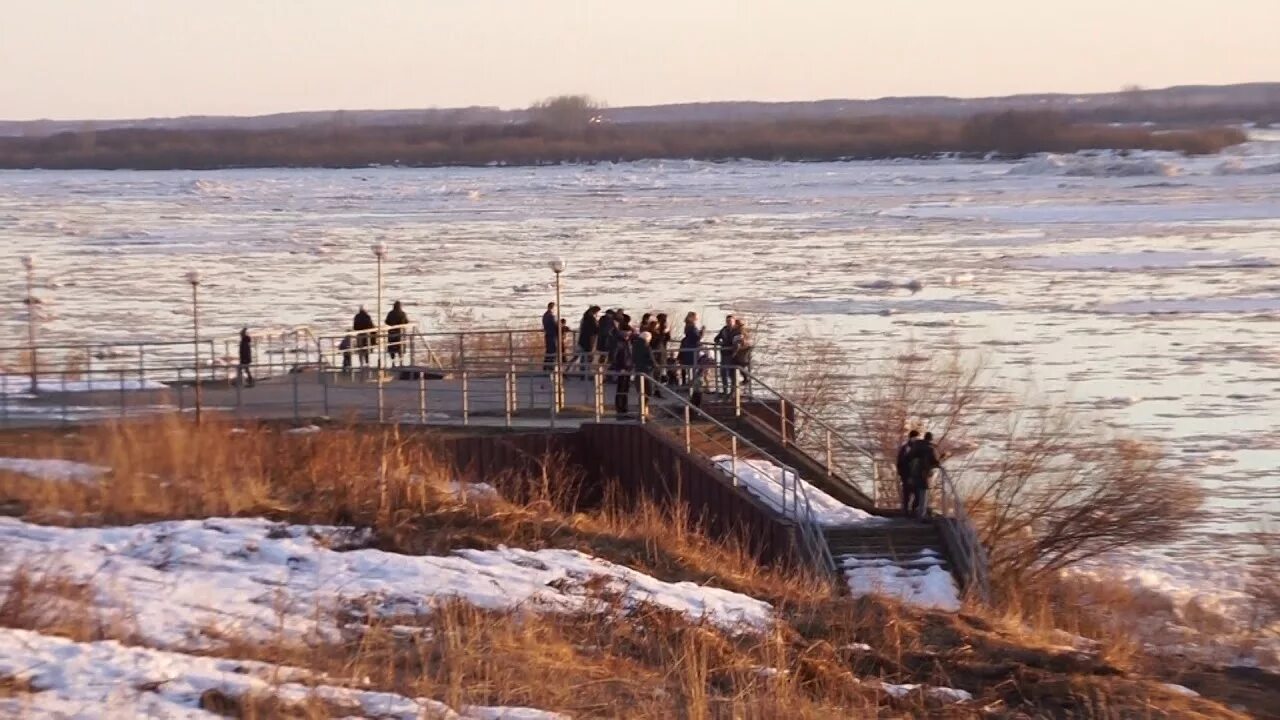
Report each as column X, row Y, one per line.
column 642, row 357
column 244, row 374
column 904, row 471
column 741, row 354
column 396, row 322
column 661, row 338
column 550, row 337
column 922, row 460
column 345, row 348
column 366, row 335
column 588, row 331
column 689, row 345
column 607, row 335
column 623, row 364
column 725, row 341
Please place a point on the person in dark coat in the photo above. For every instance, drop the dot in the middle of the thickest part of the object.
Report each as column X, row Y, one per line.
column 607, row 340
column 642, row 356
column 741, row 354
column 243, row 370
column 904, row 471
column 922, row 460
column 660, row 338
column 588, row 331
column 395, row 322
column 550, row 335
column 366, row 336
column 623, row 364
column 345, row 348
column 725, row 341
column 689, row 345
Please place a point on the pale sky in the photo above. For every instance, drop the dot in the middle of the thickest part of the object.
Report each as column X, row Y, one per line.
column 72, row 59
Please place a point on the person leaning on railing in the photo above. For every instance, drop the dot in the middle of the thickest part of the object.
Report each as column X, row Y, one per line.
column 366, row 335
column 396, row 322
column 689, row 345
column 588, row 331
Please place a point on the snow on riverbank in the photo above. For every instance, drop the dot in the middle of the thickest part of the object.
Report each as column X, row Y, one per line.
column 773, row 485
column 255, row 579
column 69, row 679
column 52, row 469
column 922, row 582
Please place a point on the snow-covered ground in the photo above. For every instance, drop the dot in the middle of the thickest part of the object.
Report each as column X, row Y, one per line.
column 20, row 385
column 254, row 579
column 780, row 488
column 74, row 680
column 921, row 582
column 52, row 469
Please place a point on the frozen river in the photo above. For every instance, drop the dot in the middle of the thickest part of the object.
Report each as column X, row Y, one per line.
column 1145, row 289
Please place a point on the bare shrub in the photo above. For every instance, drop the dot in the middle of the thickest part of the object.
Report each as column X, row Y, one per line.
column 1047, row 490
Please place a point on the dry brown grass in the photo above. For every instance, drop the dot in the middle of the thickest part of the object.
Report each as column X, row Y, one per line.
column 641, row 662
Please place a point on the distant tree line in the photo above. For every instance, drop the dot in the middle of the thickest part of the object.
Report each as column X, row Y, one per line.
column 575, row 129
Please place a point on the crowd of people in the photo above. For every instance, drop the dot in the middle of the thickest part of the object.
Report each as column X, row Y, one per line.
column 363, row 338
column 652, row 347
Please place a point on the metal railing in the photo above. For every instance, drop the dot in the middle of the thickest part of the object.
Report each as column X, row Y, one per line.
column 966, row 543
column 680, row 413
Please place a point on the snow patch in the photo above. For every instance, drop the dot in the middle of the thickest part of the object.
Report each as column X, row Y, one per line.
column 21, row 385
column 774, row 485
column 85, row 680
column 256, row 579
column 921, row 582
column 52, row 469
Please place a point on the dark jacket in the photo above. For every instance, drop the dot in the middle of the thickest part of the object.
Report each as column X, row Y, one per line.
column 922, row 459
column 607, row 337
column 588, row 330
column 361, row 322
column 904, row 452
column 246, row 349
column 725, row 341
column 550, row 330
column 623, row 358
column 395, row 334
column 692, row 337
column 642, row 356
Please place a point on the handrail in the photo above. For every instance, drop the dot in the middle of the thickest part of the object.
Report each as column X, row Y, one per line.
column 969, row 545
column 802, row 514
column 833, row 435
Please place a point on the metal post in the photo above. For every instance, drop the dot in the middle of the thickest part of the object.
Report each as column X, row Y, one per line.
column 142, row 366
column 733, row 453
column 422, row 397
column 737, row 400
column 558, row 385
column 123, row 399
column 379, row 251
column 782, row 418
column 644, row 398
column 324, row 389
column 462, row 352
column 829, row 453
column 29, row 263
column 193, row 277
column 597, row 381
column 466, row 399
column 506, row 404
column 381, row 405
column 239, row 400
column 297, row 416
column 688, row 436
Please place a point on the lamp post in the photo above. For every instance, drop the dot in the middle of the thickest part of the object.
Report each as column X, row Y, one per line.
column 193, row 277
column 29, row 263
column 557, row 267
column 380, row 252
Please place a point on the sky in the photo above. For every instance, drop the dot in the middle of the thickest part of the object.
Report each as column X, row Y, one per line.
column 81, row 59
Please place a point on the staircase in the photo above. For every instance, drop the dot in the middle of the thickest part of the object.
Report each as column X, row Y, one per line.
column 924, row 562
